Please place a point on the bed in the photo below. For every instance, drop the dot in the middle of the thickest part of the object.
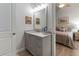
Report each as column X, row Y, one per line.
column 64, row 34
column 65, row 38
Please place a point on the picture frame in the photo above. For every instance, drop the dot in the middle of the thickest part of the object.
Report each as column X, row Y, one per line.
column 37, row 21
column 28, row 20
column 63, row 20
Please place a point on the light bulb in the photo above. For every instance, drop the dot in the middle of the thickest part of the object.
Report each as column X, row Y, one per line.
column 42, row 6
column 61, row 5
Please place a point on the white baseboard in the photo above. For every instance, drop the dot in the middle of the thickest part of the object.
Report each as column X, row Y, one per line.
column 20, row 49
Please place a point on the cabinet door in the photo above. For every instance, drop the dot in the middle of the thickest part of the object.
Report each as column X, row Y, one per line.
column 46, row 46
column 31, row 44
column 27, row 41
column 36, row 45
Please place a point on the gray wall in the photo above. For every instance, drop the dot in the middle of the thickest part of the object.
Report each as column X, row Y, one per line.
column 22, row 10
column 72, row 12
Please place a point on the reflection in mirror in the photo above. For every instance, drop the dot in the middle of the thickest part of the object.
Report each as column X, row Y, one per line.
column 40, row 21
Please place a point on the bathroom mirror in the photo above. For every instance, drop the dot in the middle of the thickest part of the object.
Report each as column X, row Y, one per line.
column 40, row 20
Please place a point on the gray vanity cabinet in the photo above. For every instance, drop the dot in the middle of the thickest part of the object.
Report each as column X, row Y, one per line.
column 38, row 46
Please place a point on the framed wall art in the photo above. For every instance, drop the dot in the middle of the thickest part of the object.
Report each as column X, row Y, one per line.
column 37, row 21
column 28, row 20
column 63, row 20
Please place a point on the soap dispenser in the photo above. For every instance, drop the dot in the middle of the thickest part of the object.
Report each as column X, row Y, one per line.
column 45, row 28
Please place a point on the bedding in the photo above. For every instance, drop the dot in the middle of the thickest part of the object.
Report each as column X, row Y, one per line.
column 65, row 38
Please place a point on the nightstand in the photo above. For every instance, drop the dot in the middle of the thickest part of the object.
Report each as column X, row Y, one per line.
column 76, row 35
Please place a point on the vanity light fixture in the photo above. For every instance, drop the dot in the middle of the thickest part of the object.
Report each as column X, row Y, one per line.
column 61, row 5
column 39, row 7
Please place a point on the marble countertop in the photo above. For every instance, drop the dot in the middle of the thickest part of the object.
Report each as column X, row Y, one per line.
column 40, row 34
